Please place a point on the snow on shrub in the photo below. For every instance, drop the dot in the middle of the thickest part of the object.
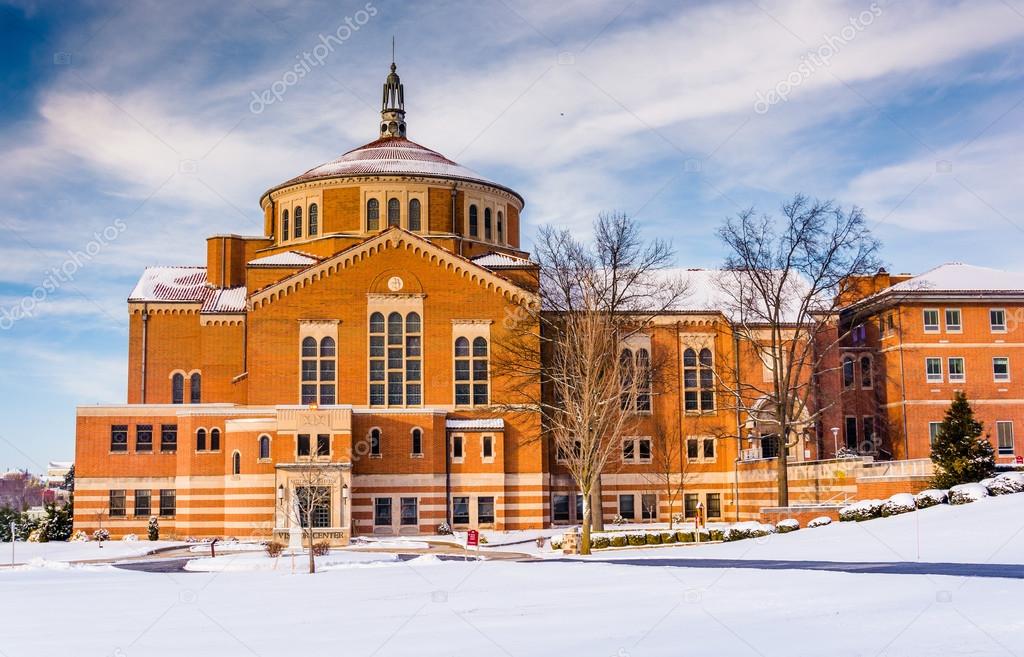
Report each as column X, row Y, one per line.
column 1006, row 484
column 101, row 535
column 129, row 538
column 556, row 542
column 787, row 525
column 899, row 503
column 600, row 542
column 444, row 529
column 966, row 493
column 79, row 537
column 747, row 530
column 931, row 497
column 863, row 510
column 618, row 520
column 820, row 521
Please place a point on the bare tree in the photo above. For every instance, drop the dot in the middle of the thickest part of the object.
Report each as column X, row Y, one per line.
column 312, row 484
column 782, row 285
column 596, row 297
column 670, row 467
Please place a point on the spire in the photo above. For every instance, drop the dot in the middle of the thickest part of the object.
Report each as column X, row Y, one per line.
column 392, row 108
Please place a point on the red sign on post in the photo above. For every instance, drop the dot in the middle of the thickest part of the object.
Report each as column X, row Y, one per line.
column 1020, row 460
column 472, row 538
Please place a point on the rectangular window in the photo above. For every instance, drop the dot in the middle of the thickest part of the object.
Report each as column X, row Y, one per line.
column 144, row 438
column 410, row 511
column 485, row 510
column 953, row 320
column 997, row 320
column 714, row 504
column 119, row 438
column 457, row 448
column 317, row 501
column 143, row 503
column 168, row 438
column 692, row 449
column 460, row 510
column 644, row 445
column 649, row 506
column 869, row 430
column 1004, row 432
column 933, row 432
column 628, row 450
column 168, row 502
column 323, row 444
column 488, row 447
column 116, row 504
column 931, row 320
column 382, row 512
column 560, row 508
column 709, row 448
column 933, row 370
column 1000, row 368
column 956, row 369
column 303, row 444
column 851, row 433
column 690, row 505
column 626, row 509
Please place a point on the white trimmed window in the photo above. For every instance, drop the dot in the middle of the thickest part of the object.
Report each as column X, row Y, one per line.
column 931, row 320
column 472, row 378
column 1000, row 368
column 698, row 381
column 1004, row 433
column 997, row 320
column 318, row 370
column 396, row 359
column 956, row 369
column 954, row 323
column 933, row 432
column 933, row 370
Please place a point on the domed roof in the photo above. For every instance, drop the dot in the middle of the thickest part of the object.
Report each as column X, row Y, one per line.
column 392, row 154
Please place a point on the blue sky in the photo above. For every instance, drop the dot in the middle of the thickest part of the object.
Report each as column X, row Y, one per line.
column 129, row 135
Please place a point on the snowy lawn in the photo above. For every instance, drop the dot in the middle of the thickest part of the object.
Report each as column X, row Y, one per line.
column 84, row 551
column 259, row 561
column 426, row 607
column 990, row 530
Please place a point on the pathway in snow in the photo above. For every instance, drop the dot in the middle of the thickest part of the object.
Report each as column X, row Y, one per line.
column 1012, row 571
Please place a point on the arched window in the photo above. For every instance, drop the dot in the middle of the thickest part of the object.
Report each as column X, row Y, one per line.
column 215, row 440
column 487, row 224
column 298, row 222
column 236, row 463
column 201, row 440
column 698, row 381
column 378, row 369
column 501, row 228
column 284, row 225
column 396, row 364
column 375, row 445
column 195, row 384
column 314, row 220
column 625, row 376
column 848, row 372
column 643, row 391
column 178, row 389
column 414, row 215
column 264, row 447
column 865, row 372
column 473, row 221
column 417, row 442
column 373, row 214
column 318, row 371
column 394, row 212
column 471, row 372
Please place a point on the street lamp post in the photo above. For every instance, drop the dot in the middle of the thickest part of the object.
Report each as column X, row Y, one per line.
column 835, row 442
column 12, row 543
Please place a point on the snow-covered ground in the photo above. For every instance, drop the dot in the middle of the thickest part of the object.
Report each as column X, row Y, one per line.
column 363, row 603
column 25, row 552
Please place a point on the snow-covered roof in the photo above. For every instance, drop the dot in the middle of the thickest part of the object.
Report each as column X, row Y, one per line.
column 957, row 277
column 392, row 156
column 187, row 285
column 502, row 261
column 485, row 424
column 285, row 259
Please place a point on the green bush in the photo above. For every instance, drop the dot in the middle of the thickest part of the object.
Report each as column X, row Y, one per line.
column 668, row 537
column 654, row 539
column 619, row 541
column 556, row 543
column 637, row 539
column 684, row 537
column 715, row 535
column 600, row 542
